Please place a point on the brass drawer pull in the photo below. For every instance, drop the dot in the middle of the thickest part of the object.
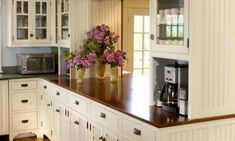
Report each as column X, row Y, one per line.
column 24, row 101
column 57, row 110
column 24, row 85
column 102, row 115
column 137, row 132
column 25, row 121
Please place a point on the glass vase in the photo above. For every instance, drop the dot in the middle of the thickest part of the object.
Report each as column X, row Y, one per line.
column 80, row 75
column 113, row 74
column 100, row 70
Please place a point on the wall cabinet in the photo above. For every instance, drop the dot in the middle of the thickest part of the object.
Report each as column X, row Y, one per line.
column 30, row 23
column 4, row 108
column 169, row 28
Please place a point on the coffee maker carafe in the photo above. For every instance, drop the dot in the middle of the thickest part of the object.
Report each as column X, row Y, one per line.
column 169, row 92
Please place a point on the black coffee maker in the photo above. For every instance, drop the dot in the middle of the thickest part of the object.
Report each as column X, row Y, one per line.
column 169, row 92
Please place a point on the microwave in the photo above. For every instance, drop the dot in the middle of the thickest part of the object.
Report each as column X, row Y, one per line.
column 35, row 63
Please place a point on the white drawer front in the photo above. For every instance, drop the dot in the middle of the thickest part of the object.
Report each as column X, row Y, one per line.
column 46, row 87
column 137, row 131
column 78, row 104
column 24, row 121
column 105, row 117
column 24, row 101
column 24, row 84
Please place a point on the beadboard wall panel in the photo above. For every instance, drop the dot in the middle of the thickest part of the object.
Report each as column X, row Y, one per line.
column 212, row 68
column 107, row 12
column 211, row 131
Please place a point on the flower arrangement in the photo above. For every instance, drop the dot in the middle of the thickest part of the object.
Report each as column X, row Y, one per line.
column 82, row 59
column 99, row 39
column 114, row 58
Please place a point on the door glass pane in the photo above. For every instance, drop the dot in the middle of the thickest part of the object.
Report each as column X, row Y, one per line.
column 138, row 23
column 146, row 24
column 146, row 42
column 22, row 21
column 22, row 34
column 41, row 21
column 44, row 8
column 66, row 7
column 65, row 20
column 38, row 7
column 26, row 7
column 62, row 6
column 19, row 7
column 65, row 34
column 41, row 34
column 138, row 59
column 170, row 22
column 138, row 41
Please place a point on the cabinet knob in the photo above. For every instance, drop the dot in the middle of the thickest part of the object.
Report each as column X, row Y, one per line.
column 101, row 138
column 137, row 132
column 57, row 110
column 152, row 37
column 76, row 102
column 24, row 101
column 102, row 115
column 31, row 35
column 69, row 35
column 58, row 93
column 24, row 85
column 45, row 87
column 76, row 122
column 48, row 105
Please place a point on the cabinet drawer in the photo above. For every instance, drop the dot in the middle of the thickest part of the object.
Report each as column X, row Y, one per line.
column 24, row 84
column 104, row 117
column 46, row 88
column 78, row 104
column 24, row 121
column 137, row 131
column 24, row 101
column 59, row 95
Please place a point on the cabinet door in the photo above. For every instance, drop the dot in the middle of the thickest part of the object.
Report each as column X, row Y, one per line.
column 109, row 135
column 4, row 107
column 64, row 22
column 96, row 131
column 46, row 112
column 79, row 129
column 169, row 27
column 57, row 119
column 41, row 21
column 21, row 21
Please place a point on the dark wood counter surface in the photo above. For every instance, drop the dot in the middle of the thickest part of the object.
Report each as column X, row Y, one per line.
column 129, row 96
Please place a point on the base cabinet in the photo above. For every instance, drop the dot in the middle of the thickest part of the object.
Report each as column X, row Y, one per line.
column 100, row 133
column 4, row 127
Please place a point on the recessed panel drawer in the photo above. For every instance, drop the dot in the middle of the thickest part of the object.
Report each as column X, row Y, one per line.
column 78, row 104
column 104, row 117
column 24, row 101
column 24, row 121
column 23, row 84
column 137, row 131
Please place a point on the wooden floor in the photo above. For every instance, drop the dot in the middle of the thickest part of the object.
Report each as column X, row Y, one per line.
column 27, row 139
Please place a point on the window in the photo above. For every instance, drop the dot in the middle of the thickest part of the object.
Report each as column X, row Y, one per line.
column 141, row 44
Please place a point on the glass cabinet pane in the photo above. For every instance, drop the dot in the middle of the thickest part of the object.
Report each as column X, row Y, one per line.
column 19, row 7
column 44, row 8
column 38, row 7
column 170, row 22
column 22, row 21
column 41, row 20
column 22, row 34
column 26, row 7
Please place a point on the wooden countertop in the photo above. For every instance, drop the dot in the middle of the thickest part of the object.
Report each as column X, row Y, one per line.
column 129, row 96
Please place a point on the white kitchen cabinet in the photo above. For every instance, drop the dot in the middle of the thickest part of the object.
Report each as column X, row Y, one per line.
column 211, row 72
column 4, row 108
column 78, row 127
column 169, row 29
column 46, row 115
column 30, row 23
column 100, row 133
column 24, row 107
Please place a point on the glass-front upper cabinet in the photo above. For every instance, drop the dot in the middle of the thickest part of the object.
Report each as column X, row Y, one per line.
column 21, row 29
column 42, row 24
column 63, row 12
column 30, row 22
column 170, row 26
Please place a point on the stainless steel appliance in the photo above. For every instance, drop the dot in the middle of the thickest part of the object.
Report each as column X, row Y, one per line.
column 176, row 79
column 36, row 63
